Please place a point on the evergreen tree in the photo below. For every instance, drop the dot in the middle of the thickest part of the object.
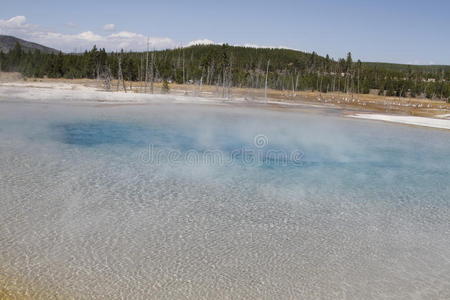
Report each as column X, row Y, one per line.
column 348, row 62
column 227, row 66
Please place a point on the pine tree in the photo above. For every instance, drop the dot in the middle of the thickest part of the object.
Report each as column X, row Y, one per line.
column 349, row 62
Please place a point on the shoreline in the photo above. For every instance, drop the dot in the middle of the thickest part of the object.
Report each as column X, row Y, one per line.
column 86, row 92
column 407, row 120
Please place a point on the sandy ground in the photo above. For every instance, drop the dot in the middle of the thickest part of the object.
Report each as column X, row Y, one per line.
column 418, row 112
column 411, row 120
column 73, row 92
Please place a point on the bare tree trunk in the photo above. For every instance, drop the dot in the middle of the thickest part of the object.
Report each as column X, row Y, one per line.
column 230, row 77
column 107, row 79
column 223, row 82
column 267, row 77
column 293, row 86
column 184, row 78
column 120, row 75
column 358, row 82
column 152, row 72
column 146, row 69
column 320, row 87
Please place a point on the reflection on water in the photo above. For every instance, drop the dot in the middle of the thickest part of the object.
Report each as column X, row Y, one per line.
column 99, row 133
column 363, row 215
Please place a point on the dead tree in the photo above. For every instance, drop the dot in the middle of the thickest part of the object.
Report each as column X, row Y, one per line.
column 141, row 72
column 267, row 78
column 146, row 69
column 152, row 71
column 107, row 78
column 184, row 75
column 120, row 75
column 293, row 86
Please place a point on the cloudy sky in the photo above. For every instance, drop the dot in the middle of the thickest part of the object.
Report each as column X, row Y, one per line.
column 404, row 31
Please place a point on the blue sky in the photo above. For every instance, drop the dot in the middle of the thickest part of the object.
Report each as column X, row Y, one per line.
column 392, row 31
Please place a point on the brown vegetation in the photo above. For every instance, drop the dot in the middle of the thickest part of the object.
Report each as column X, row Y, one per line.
column 10, row 76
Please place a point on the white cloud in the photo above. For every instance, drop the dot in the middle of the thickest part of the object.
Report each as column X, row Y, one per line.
column 13, row 23
column 210, row 42
column 126, row 35
column 88, row 36
column 15, row 26
column 200, row 42
column 109, row 27
column 18, row 26
column 271, row 47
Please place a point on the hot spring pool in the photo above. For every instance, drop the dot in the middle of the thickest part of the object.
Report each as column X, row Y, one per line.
column 179, row 201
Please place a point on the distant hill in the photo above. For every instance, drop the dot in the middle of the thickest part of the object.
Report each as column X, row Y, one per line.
column 7, row 43
column 406, row 68
column 284, row 58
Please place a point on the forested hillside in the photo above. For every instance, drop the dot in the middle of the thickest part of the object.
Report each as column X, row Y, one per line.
column 238, row 66
column 7, row 43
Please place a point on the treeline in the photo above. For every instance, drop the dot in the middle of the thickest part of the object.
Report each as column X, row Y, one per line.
column 229, row 66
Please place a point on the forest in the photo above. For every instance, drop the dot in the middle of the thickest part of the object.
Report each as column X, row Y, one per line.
column 231, row 66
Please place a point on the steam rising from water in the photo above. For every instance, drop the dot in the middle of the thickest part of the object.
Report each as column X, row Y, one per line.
column 364, row 215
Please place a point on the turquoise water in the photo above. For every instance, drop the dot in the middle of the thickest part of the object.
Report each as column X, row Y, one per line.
column 169, row 202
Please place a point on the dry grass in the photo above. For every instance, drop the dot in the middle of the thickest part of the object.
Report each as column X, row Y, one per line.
column 10, row 76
